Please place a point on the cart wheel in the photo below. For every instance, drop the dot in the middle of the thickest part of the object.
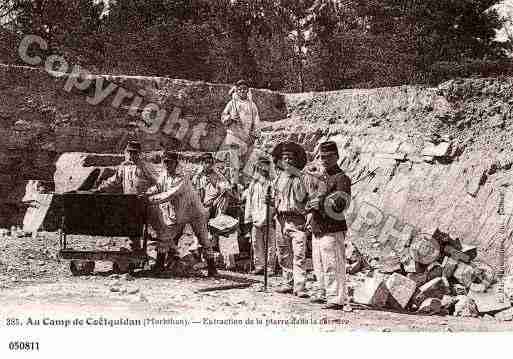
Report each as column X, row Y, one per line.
column 80, row 267
column 132, row 267
column 120, row 267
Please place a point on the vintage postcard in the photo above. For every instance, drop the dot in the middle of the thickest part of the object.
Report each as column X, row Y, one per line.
column 311, row 167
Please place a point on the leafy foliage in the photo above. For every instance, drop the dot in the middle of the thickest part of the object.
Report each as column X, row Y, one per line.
column 288, row 45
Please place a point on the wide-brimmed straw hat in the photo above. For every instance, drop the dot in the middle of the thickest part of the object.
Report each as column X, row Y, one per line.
column 296, row 150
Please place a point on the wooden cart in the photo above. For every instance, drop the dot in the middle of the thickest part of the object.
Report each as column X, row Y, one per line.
column 108, row 215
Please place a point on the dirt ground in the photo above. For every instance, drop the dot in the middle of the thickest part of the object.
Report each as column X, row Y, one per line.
column 34, row 283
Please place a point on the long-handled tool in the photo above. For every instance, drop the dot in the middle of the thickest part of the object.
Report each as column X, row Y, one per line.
column 224, row 287
column 266, row 239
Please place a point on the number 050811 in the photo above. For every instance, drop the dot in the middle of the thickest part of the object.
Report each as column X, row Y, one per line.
column 24, row 346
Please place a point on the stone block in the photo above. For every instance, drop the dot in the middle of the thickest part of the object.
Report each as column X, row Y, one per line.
column 410, row 266
column 456, row 254
column 389, row 146
column 465, row 307
column 435, row 288
column 448, row 302
column 489, row 302
column 464, row 274
column 449, row 266
column 478, row 287
column 434, row 270
column 470, row 251
column 424, row 249
column 440, row 150
column 401, row 289
column 445, row 239
column 372, row 291
column 418, row 278
column 459, row 289
column 407, row 147
column 454, row 242
column 431, row 306
column 505, row 315
column 390, row 264
column 393, row 156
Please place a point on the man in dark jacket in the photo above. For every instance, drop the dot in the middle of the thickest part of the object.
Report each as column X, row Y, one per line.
column 327, row 223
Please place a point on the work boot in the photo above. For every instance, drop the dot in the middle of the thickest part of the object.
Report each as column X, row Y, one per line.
column 257, row 271
column 284, row 289
column 211, row 267
column 317, row 299
column 160, row 263
column 135, row 245
column 332, row 306
column 301, row 293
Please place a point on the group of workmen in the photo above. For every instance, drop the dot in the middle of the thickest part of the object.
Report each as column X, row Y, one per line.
column 301, row 199
column 304, row 199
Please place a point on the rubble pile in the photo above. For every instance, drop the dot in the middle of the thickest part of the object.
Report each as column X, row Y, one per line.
column 25, row 260
column 436, row 275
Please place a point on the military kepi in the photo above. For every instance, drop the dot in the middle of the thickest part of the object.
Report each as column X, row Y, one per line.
column 328, row 147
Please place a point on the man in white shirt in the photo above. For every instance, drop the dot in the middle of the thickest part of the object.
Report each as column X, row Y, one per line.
column 131, row 177
column 256, row 214
column 240, row 116
column 178, row 204
column 290, row 199
column 214, row 188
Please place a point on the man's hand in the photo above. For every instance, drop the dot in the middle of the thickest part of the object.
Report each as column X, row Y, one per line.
column 235, row 118
column 336, row 201
column 314, row 204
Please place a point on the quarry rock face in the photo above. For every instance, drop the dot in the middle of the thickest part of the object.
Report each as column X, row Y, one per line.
column 419, row 158
column 43, row 116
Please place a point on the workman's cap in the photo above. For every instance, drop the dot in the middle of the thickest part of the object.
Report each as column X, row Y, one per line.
column 328, row 147
column 242, row 83
column 170, row 156
column 133, row 146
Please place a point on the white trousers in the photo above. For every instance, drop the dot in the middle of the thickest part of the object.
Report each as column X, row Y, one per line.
column 257, row 242
column 329, row 262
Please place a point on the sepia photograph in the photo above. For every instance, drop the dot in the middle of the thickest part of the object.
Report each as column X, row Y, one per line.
column 304, row 167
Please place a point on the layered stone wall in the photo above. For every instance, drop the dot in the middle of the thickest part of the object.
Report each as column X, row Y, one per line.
column 420, row 158
column 43, row 116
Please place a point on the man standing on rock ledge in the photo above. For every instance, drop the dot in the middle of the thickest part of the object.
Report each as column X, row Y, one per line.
column 290, row 199
column 327, row 223
column 240, row 116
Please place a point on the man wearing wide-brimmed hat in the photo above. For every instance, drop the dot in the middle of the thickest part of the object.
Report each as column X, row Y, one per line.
column 290, row 199
column 176, row 204
column 131, row 177
column 328, row 226
column 256, row 214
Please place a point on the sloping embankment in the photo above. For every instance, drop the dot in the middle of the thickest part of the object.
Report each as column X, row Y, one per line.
column 420, row 158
